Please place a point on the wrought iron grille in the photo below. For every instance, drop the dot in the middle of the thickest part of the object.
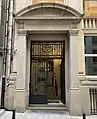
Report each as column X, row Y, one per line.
column 93, row 101
column 48, row 49
column 39, row 72
column 42, row 57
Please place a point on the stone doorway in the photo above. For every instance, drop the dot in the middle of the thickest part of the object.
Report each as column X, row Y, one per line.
column 46, row 18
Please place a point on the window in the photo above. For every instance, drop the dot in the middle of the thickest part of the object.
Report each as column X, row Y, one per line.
column 90, row 43
column 94, row 51
column 94, row 40
column 91, row 65
column 95, row 69
column 95, row 60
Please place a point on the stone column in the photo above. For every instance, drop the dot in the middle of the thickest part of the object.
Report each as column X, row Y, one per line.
column 74, row 91
column 20, row 91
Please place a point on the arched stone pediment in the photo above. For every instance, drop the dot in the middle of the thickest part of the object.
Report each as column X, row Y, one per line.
column 48, row 16
column 48, row 9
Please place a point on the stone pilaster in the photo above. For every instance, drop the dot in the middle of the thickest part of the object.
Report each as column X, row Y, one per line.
column 74, row 91
column 20, row 91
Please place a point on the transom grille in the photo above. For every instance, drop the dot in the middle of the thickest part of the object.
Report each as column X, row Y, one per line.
column 47, row 49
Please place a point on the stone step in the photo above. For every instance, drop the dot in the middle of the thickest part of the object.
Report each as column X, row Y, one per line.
column 47, row 105
column 47, row 108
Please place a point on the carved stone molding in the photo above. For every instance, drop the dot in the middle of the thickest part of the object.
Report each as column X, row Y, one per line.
column 12, row 78
column 22, row 32
column 73, row 32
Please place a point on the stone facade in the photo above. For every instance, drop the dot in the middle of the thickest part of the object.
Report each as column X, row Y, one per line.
column 51, row 18
column 90, row 8
column 40, row 1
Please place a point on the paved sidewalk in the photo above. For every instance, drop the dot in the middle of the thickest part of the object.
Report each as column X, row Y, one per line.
column 2, row 111
column 43, row 115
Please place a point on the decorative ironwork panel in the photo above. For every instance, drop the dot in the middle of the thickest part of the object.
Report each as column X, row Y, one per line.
column 47, row 49
column 42, row 68
column 39, row 75
column 93, row 101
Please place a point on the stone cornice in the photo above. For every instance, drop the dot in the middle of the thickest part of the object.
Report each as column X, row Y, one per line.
column 89, row 83
column 90, row 31
column 90, row 17
column 29, row 19
column 48, row 17
column 27, row 31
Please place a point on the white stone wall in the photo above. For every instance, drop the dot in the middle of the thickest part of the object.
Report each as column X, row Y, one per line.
column 76, row 4
column 73, row 94
column 20, row 4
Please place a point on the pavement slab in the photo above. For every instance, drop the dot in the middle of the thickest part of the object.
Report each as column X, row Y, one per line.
column 2, row 111
column 44, row 115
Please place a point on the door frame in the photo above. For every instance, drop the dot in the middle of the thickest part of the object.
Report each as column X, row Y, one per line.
column 62, row 78
column 62, row 56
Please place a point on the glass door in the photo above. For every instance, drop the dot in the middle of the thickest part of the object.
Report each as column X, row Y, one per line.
column 38, row 83
column 41, row 71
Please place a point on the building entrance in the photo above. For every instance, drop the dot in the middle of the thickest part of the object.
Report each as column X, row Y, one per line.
column 47, row 79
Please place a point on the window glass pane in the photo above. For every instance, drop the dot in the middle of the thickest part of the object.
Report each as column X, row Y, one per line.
column 94, row 60
column 94, row 51
column 91, row 65
column 94, row 40
column 90, row 43
column 95, row 69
